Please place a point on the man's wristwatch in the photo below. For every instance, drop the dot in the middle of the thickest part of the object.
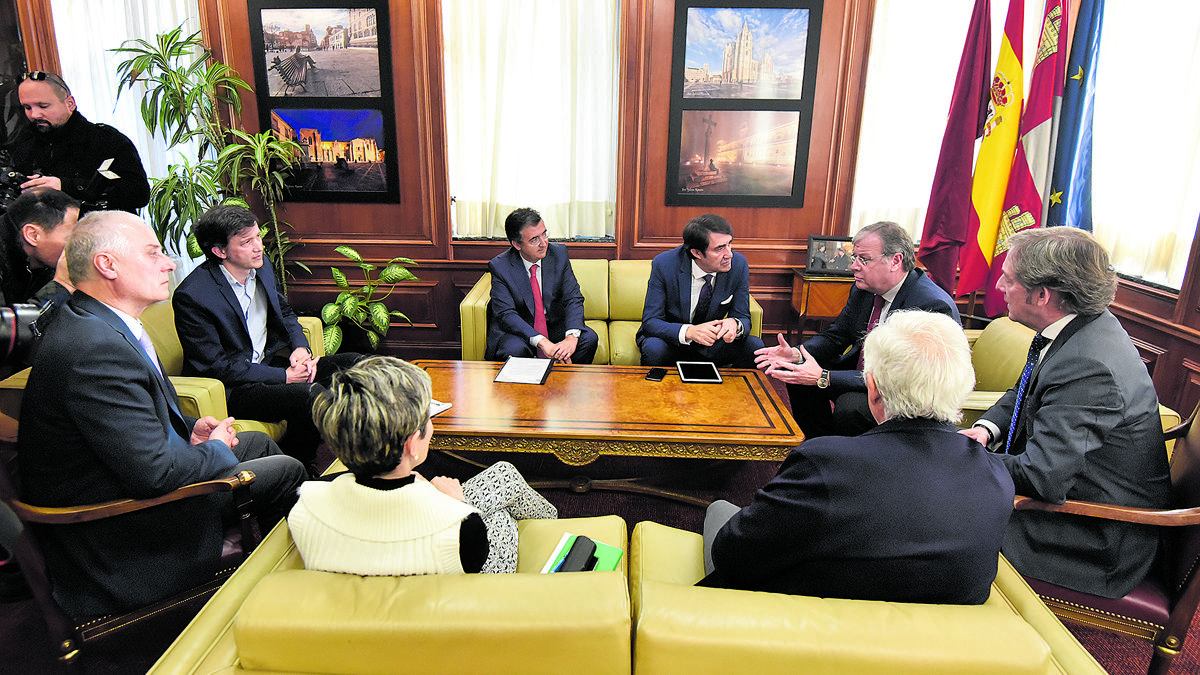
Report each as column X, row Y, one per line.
column 823, row 380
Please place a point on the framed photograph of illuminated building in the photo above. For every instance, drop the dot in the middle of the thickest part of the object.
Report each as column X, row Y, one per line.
column 346, row 154
column 743, row 84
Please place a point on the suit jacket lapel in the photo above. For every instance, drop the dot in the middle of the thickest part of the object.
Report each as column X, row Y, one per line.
column 101, row 311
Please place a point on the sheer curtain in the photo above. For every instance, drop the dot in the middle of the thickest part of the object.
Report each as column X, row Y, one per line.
column 531, row 111
column 1146, row 167
column 86, row 30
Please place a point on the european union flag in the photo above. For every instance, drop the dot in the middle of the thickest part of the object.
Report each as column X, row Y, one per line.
column 1070, row 198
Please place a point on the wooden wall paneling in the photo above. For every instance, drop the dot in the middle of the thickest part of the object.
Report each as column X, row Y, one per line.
column 1189, row 393
column 37, row 35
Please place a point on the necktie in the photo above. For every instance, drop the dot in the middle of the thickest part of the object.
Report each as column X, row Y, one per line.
column 539, row 310
column 703, row 301
column 144, row 341
column 1035, row 349
column 876, row 312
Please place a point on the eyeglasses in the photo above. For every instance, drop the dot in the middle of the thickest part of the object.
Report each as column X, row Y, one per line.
column 863, row 260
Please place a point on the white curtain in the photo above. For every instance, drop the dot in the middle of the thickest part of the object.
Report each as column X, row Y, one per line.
column 531, row 111
column 1146, row 168
column 86, row 30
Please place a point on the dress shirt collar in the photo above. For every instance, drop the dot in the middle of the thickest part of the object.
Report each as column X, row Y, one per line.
column 250, row 277
column 1052, row 331
column 134, row 324
column 699, row 274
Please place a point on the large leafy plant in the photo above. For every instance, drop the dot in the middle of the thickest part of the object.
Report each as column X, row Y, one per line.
column 190, row 98
column 358, row 305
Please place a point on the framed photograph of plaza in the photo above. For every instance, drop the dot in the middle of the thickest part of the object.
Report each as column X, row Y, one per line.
column 306, row 49
column 347, row 154
column 742, row 93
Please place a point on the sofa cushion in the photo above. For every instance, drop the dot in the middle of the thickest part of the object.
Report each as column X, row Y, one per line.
column 592, row 275
column 627, row 282
column 999, row 353
column 302, row 621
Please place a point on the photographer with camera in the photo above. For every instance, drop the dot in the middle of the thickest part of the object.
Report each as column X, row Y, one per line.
column 35, row 232
column 61, row 149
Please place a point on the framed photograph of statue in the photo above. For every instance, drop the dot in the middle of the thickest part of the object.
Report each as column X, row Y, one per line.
column 743, row 82
column 829, row 256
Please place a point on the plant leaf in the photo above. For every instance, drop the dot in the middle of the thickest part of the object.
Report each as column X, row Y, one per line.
column 394, row 274
column 339, row 279
column 332, row 337
column 349, row 253
column 379, row 316
column 330, row 314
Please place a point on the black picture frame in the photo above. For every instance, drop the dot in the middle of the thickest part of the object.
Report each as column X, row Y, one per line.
column 323, row 78
column 762, row 97
column 822, row 251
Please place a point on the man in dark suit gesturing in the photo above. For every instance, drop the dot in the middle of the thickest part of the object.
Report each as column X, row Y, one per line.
column 828, row 367
column 100, row 422
column 235, row 326
column 547, row 323
column 1086, row 425
column 698, row 300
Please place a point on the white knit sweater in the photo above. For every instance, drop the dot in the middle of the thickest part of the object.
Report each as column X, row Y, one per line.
column 341, row 526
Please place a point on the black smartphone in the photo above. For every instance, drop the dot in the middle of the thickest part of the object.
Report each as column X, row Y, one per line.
column 656, row 374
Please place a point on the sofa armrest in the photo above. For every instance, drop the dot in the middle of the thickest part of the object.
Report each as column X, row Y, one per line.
column 473, row 319
column 12, row 391
column 756, row 315
column 201, row 396
column 314, row 331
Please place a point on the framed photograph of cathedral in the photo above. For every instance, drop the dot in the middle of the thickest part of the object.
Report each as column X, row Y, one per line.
column 742, row 90
column 346, row 154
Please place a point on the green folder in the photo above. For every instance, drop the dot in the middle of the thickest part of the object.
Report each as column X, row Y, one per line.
column 607, row 557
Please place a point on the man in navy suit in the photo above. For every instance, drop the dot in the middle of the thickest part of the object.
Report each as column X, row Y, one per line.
column 100, row 422
column 235, row 326
column 828, row 367
column 911, row 511
column 1088, row 426
column 514, row 326
column 698, row 301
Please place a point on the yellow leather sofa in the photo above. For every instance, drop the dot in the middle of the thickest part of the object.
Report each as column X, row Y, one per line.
column 614, row 292
column 273, row 616
column 680, row 629
column 198, row 396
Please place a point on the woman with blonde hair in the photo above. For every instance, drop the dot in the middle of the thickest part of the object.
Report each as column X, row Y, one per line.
column 384, row 518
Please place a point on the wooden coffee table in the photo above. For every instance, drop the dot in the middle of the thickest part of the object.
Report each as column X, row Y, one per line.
column 583, row 412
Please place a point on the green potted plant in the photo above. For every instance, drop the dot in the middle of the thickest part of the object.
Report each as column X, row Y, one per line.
column 190, row 97
column 359, row 306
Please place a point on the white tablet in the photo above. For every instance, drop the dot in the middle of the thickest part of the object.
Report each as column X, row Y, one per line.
column 698, row 371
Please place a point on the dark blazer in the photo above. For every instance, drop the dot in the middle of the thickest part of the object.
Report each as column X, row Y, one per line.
column 837, row 347
column 669, row 296
column 511, row 308
column 1089, row 430
column 910, row 511
column 99, row 423
column 213, row 333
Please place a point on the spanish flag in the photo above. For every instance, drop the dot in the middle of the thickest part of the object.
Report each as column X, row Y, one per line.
column 1034, row 157
column 995, row 156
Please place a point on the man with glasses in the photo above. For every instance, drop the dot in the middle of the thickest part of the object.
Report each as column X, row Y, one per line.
column 828, row 367
column 536, row 308
column 61, row 149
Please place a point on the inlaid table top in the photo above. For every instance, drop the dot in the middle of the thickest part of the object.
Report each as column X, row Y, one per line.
column 583, row 412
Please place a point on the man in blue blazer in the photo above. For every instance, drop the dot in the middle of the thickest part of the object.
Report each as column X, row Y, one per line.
column 698, row 301
column 100, row 422
column 1088, row 426
column 513, row 325
column 828, row 367
column 235, row 326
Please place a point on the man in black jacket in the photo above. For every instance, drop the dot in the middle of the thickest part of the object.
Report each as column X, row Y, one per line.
column 60, row 149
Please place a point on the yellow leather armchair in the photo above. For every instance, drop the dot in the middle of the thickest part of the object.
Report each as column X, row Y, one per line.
column 273, row 616
column 614, row 292
column 680, row 629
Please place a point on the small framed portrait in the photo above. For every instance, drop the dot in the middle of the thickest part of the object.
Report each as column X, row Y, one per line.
column 829, row 256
